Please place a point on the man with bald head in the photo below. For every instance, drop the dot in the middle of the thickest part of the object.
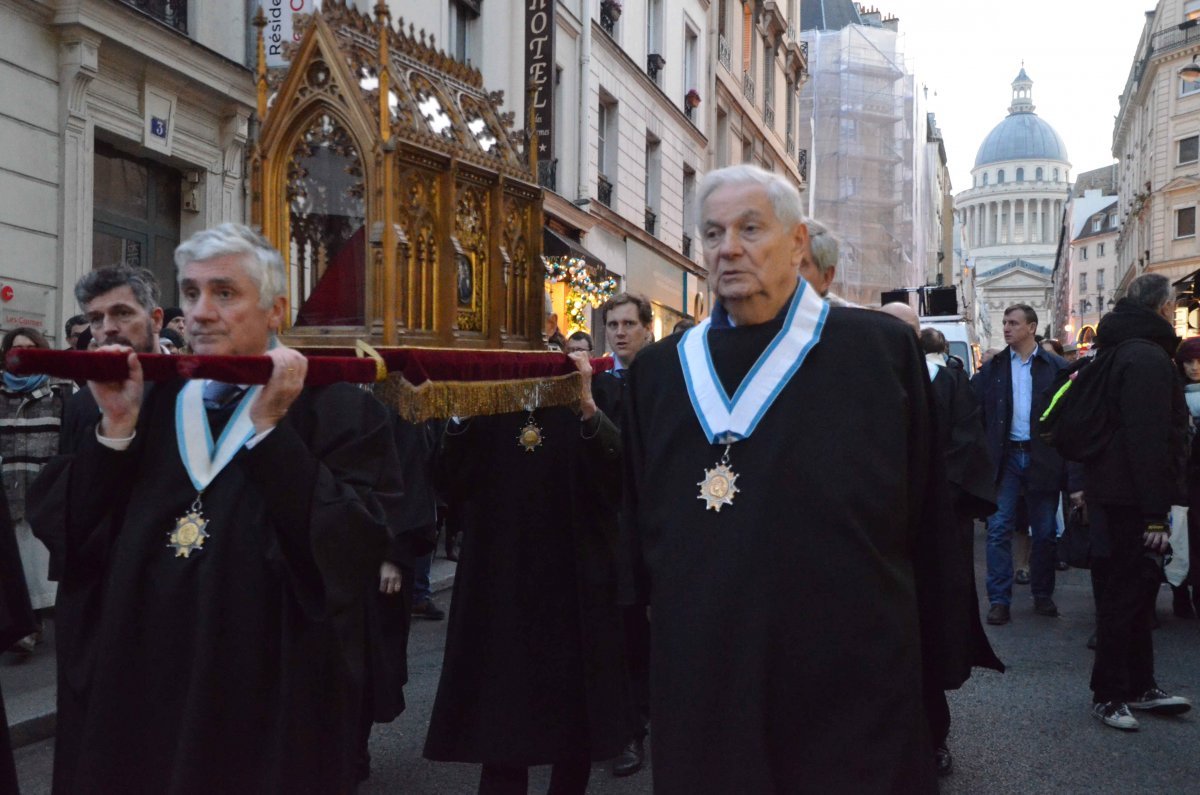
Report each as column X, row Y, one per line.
column 785, row 569
column 904, row 313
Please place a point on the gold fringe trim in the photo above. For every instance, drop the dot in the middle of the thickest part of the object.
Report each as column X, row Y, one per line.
column 444, row 399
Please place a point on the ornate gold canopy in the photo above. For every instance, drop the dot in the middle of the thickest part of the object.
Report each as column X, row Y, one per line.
column 396, row 190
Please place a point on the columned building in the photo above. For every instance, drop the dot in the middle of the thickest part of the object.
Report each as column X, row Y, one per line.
column 1012, row 212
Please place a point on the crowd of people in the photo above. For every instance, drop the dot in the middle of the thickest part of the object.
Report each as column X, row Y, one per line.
column 705, row 553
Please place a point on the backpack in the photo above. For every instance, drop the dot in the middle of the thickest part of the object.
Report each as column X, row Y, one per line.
column 1080, row 421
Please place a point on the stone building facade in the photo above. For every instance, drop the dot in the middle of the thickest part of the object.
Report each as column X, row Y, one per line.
column 125, row 126
column 1156, row 139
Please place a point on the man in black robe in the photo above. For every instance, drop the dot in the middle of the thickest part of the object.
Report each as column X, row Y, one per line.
column 786, row 649
column 972, row 495
column 533, row 672
column 628, row 328
column 225, row 586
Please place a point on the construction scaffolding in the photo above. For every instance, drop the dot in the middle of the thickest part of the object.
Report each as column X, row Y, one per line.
column 868, row 162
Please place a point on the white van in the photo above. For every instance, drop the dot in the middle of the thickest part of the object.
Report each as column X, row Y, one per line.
column 960, row 336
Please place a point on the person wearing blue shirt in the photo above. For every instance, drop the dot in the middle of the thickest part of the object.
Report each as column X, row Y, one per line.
column 1012, row 388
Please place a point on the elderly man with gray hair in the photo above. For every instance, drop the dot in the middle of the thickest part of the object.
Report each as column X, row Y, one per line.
column 785, row 542
column 220, row 537
column 1130, row 488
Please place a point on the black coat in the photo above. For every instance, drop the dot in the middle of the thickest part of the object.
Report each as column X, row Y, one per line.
column 533, row 670
column 787, row 628
column 1146, row 462
column 994, row 390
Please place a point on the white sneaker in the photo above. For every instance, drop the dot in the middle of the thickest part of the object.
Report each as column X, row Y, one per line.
column 1155, row 700
column 1115, row 714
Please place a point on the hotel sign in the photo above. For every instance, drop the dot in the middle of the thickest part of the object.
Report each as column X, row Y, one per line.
column 539, row 65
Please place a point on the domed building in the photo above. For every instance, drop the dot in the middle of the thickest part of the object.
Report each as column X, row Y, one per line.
column 1012, row 213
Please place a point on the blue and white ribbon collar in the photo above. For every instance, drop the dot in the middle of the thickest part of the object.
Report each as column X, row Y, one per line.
column 203, row 459
column 726, row 419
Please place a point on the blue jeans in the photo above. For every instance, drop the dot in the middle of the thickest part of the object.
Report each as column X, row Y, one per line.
column 1041, row 503
column 422, row 591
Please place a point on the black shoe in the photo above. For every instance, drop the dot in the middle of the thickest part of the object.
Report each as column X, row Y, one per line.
column 999, row 614
column 1044, row 606
column 427, row 609
column 1021, row 577
column 1182, row 603
column 631, row 759
column 1061, row 565
column 1092, row 641
column 942, row 760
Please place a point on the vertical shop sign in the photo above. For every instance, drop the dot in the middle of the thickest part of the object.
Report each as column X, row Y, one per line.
column 539, row 65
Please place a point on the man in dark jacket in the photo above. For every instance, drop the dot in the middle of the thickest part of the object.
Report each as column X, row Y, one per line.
column 1011, row 389
column 1130, row 489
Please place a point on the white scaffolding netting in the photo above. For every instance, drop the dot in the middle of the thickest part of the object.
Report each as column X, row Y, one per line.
column 869, row 163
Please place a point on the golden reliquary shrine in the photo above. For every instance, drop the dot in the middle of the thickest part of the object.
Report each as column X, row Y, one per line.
column 398, row 193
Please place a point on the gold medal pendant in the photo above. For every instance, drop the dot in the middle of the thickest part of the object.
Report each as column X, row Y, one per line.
column 719, row 485
column 530, row 436
column 189, row 533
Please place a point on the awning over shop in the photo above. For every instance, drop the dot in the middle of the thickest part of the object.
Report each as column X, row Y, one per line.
column 556, row 245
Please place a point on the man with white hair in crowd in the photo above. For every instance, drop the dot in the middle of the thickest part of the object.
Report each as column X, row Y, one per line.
column 818, row 265
column 221, row 538
column 782, row 539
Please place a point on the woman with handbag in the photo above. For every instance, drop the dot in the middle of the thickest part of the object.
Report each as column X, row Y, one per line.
column 1187, row 595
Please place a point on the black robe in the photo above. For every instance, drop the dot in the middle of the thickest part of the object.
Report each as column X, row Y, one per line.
column 389, row 616
column 786, row 647
column 16, row 621
column 971, row 495
column 533, row 671
column 239, row 668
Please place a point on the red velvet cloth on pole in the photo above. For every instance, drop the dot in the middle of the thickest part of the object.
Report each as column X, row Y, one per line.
column 416, row 365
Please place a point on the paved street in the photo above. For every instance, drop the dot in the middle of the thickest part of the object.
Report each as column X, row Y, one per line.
column 1028, row 730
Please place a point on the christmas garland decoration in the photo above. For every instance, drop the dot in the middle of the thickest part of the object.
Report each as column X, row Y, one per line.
column 584, row 286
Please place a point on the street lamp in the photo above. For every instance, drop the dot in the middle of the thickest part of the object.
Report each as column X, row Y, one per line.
column 1190, row 72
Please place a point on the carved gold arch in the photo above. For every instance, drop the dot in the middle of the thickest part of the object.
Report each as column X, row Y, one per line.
column 452, row 212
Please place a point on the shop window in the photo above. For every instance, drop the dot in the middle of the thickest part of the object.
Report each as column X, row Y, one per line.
column 327, row 222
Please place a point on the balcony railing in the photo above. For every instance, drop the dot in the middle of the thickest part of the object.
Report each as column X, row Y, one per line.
column 651, row 220
column 804, row 50
column 768, row 115
column 747, row 86
column 170, row 12
column 791, row 144
column 687, row 245
column 802, row 164
column 723, row 52
column 604, row 191
column 548, row 173
column 608, row 22
column 1174, row 38
column 689, row 111
column 654, row 65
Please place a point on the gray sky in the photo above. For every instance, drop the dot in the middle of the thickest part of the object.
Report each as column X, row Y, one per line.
column 1078, row 53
